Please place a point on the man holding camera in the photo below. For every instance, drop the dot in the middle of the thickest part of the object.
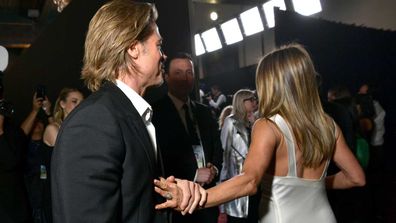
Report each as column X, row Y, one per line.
column 13, row 143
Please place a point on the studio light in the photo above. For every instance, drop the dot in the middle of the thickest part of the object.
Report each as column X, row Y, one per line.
column 199, row 47
column 251, row 21
column 268, row 8
column 211, row 40
column 307, row 7
column 231, row 31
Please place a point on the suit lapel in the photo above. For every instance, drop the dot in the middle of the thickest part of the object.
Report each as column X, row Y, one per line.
column 135, row 122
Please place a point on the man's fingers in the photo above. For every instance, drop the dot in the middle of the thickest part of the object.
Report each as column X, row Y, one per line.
column 183, row 186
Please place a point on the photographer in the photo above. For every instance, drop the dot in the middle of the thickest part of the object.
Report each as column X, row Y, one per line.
column 13, row 142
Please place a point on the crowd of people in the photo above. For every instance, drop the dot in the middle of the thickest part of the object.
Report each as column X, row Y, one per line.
column 271, row 155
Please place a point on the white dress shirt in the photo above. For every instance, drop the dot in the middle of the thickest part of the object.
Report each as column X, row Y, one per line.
column 141, row 106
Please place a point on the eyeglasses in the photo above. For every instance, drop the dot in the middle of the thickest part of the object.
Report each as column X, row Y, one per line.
column 252, row 99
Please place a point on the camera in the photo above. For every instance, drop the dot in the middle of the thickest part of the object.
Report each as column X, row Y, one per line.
column 40, row 91
column 6, row 108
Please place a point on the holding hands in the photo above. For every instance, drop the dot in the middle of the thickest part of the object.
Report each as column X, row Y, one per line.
column 181, row 195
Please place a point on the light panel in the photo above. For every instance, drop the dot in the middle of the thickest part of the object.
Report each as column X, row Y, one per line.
column 231, row 31
column 268, row 8
column 251, row 21
column 199, row 47
column 211, row 39
column 307, row 7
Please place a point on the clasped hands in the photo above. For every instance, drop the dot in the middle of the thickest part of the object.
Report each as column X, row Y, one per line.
column 182, row 195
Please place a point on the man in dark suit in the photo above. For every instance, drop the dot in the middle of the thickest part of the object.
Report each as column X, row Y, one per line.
column 106, row 157
column 187, row 134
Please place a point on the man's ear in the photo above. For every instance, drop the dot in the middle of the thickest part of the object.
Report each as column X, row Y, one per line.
column 133, row 50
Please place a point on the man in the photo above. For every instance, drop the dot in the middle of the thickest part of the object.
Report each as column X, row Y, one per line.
column 217, row 100
column 187, row 134
column 14, row 203
column 106, row 158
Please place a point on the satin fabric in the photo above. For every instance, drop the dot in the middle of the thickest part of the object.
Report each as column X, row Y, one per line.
column 290, row 198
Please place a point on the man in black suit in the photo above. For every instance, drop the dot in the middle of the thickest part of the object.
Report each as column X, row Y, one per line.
column 187, row 134
column 106, row 157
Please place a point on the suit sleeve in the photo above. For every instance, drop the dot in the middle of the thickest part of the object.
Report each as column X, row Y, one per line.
column 87, row 168
column 217, row 151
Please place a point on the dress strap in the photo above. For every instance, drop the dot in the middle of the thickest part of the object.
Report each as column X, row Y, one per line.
column 291, row 153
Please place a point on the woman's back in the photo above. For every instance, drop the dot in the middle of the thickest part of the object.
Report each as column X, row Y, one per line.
column 293, row 193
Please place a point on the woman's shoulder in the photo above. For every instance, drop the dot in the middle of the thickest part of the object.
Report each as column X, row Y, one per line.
column 52, row 127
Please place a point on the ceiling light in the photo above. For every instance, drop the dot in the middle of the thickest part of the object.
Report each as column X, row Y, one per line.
column 231, row 31
column 268, row 8
column 251, row 21
column 213, row 16
column 307, row 7
column 199, row 47
column 211, row 40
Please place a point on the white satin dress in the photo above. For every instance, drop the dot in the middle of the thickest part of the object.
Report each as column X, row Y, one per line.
column 290, row 199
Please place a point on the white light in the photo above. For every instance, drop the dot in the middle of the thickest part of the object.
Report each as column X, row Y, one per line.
column 307, row 7
column 199, row 47
column 211, row 40
column 3, row 58
column 231, row 31
column 213, row 16
column 251, row 21
column 268, row 8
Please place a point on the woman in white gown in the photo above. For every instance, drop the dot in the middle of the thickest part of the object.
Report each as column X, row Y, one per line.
column 292, row 144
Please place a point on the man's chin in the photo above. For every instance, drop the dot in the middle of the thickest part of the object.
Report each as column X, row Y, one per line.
column 158, row 82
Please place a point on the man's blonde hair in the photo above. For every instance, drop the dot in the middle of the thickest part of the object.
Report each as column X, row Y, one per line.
column 286, row 85
column 115, row 27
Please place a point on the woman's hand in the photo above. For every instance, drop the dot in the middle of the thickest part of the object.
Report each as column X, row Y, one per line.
column 181, row 195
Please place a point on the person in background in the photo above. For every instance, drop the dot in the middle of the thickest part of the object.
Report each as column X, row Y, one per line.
column 224, row 114
column 36, row 165
column 14, row 203
column 106, row 156
column 67, row 100
column 375, row 170
column 217, row 100
column 187, row 134
column 292, row 144
column 235, row 139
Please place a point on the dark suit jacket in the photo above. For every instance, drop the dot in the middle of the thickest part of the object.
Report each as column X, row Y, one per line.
column 178, row 156
column 104, row 163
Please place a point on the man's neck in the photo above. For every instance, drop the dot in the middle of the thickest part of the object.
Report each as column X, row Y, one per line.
column 133, row 83
column 180, row 97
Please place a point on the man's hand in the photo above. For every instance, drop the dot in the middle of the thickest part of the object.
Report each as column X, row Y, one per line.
column 1, row 124
column 181, row 195
column 206, row 174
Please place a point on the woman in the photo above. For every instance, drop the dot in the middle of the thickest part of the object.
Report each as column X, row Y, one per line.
column 67, row 100
column 224, row 114
column 292, row 144
column 235, row 139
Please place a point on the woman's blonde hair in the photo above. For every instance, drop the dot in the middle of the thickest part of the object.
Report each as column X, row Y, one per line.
column 224, row 113
column 59, row 113
column 286, row 85
column 115, row 27
column 238, row 104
